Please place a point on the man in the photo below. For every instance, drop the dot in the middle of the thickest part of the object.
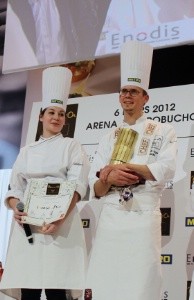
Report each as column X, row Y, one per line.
column 125, row 260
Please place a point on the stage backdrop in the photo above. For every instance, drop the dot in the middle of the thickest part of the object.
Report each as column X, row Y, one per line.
column 88, row 118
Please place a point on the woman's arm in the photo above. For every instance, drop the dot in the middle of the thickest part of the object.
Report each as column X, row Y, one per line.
column 12, row 202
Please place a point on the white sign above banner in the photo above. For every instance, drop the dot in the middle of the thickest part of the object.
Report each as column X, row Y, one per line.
column 41, row 33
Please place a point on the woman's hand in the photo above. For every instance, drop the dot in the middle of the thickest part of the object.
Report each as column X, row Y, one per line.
column 51, row 228
column 18, row 215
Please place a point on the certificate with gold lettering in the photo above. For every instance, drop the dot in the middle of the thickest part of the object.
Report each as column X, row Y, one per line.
column 47, row 200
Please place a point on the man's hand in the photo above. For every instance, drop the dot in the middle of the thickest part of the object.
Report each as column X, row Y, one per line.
column 118, row 175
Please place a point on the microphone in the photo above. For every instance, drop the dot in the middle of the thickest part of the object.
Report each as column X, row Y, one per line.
column 20, row 207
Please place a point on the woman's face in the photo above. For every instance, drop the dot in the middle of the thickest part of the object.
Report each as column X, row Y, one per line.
column 53, row 120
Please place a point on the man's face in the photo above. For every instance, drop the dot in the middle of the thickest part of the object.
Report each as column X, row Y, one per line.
column 132, row 99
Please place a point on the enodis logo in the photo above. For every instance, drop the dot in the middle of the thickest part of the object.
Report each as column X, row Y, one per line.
column 189, row 221
column 166, row 259
column 86, row 223
column 159, row 33
column 166, row 216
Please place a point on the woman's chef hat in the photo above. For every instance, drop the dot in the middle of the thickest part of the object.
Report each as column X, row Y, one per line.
column 56, row 83
column 136, row 62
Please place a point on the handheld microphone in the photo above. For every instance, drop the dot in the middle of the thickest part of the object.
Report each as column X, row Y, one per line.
column 20, row 207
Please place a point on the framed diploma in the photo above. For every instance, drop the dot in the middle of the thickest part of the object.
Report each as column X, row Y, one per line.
column 47, row 200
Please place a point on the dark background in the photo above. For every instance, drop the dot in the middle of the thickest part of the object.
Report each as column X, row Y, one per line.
column 172, row 66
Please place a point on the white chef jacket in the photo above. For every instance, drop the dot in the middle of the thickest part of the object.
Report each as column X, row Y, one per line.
column 125, row 259
column 56, row 261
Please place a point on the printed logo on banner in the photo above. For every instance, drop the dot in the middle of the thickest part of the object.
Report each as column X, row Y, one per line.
column 169, row 185
column 166, row 259
column 155, row 34
column 189, row 221
column 101, row 125
column 190, row 259
column 192, row 180
column 70, row 120
column 166, row 217
column 165, row 295
column 86, row 223
column 188, row 289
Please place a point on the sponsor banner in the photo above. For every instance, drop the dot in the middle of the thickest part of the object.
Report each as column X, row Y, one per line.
column 89, row 118
column 158, row 35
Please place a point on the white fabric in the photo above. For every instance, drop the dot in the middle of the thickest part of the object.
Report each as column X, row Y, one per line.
column 136, row 62
column 125, row 260
column 56, row 83
column 50, row 44
column 52, row 261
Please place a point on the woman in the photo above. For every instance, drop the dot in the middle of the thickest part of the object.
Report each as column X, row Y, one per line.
column 56, row 259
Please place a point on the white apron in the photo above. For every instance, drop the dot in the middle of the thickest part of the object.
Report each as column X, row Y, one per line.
column 130, row 235
column 53, row 261
column 56, row 261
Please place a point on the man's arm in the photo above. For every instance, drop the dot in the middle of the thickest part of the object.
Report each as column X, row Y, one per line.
column 117, row 175
column 141, row 170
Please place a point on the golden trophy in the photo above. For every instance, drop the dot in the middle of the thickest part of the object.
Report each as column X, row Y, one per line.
column 122, row 153
column 124, row 146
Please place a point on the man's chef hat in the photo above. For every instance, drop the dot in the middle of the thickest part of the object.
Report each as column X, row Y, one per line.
column 56, row 83
column 136, row 61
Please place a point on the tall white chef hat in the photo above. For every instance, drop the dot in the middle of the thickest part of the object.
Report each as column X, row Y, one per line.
column 136, row 62
column 56, row 83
